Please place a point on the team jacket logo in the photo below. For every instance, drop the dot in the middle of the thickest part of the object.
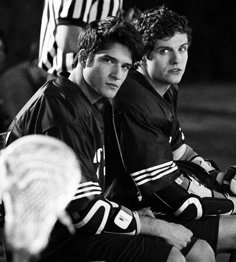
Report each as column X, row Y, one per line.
column 99, row 160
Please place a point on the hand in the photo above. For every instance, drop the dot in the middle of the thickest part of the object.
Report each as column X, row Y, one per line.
column 174, row 234
column 205, row 164
column 146, row 211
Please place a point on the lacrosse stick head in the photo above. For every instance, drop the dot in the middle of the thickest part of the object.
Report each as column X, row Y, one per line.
column 39, row 177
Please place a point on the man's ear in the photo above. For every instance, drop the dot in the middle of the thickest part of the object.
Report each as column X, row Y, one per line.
column 82, row 57
column 143, row 61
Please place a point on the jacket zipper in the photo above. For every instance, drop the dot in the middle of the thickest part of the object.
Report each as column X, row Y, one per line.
column 139, row 195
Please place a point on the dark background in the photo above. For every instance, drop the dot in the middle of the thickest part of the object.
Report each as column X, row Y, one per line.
column 207, row 93
column 20, row 19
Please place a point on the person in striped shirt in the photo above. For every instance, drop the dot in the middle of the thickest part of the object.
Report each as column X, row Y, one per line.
column 62, row 22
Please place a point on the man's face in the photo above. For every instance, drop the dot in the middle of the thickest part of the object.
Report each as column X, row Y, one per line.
column 166, row 63
column 106, row 70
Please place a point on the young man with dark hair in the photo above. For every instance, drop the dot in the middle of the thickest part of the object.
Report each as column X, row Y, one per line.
column 71, row 110
column 160, row 169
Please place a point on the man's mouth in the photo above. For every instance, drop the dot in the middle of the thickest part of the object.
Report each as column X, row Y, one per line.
column 113, row 86
column 175, row 70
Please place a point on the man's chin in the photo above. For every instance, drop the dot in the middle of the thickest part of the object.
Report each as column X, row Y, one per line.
column 110, row 95
column 175, row 81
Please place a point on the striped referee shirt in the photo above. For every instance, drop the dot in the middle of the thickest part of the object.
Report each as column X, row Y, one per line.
column 70, row 12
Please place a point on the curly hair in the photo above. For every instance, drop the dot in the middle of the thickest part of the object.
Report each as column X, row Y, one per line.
column 159, row 23
column 100, row 34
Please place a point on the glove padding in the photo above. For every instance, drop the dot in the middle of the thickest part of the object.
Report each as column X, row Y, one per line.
column 198, row 173
column 229, row 181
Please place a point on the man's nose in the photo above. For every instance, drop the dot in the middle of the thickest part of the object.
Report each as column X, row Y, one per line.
column 176, row 57
column 116, row 72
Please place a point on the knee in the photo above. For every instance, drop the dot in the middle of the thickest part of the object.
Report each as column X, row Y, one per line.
column 201, row 251
column 175, row 256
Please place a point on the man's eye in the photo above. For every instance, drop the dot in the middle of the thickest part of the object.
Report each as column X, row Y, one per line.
column 107, row 60
column 163, row 51
column 127, row 67
column 183, row 49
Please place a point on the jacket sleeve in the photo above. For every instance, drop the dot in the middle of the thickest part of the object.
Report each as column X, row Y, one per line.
column 93, row 213
column 147, row 154
column 188, row 199
column 146, row 151
column 90, row 210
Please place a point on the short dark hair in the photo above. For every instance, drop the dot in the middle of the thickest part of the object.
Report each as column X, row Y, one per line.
column 158, row 23
column 101, row 33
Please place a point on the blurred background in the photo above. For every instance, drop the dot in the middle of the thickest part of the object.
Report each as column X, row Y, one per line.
column 207, row 93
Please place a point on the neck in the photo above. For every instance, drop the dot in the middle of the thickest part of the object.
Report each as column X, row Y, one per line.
column 76, row 77
column 159, row 86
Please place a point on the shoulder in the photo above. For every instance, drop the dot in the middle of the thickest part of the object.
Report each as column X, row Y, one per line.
column 45, row 98
column 133, row 88
column 136, row 94
column 62, row 88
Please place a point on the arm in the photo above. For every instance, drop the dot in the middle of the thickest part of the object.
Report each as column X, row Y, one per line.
column 67, row 37
column 225, row 179
column 174, row 234
column 188, row 199
column 108, row 217
column 96, row 215
column 148, row 157
column 185, row 152
column 71, row 24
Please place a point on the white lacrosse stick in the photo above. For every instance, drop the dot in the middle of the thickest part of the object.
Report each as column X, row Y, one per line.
column 38, row 178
